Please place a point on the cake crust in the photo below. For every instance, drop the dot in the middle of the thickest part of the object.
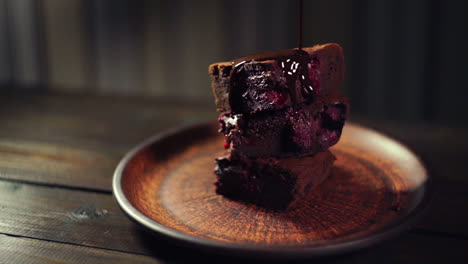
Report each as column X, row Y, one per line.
column 280, row 111
column 262, row 82
column 294, row 131
column 273, row 183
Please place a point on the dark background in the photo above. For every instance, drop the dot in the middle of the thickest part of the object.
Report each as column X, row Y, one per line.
column 84, row 81
column 406, row 60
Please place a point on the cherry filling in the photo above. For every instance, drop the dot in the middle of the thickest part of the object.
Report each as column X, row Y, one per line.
column 334, row 116
column 311, row 88
column 333, row 119
column 256, row 86
column 223, row 127
column 276, row 97
column 300, row 69
column 313, row 70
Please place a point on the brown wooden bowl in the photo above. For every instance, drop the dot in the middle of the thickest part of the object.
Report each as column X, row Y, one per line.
column 377, row 189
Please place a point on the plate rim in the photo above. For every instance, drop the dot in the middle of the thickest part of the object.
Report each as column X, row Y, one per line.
column 263, row 251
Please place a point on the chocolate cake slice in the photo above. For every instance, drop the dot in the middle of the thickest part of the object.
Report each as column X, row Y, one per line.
column 272, row 183
column 275, row 80
column 304, row 129
column 280, row 112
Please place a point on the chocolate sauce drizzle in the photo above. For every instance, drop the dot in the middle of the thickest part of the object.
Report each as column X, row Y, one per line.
column 294, row 64
column 294, row 68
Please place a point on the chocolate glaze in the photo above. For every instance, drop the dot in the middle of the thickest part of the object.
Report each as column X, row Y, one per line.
column 294, row 65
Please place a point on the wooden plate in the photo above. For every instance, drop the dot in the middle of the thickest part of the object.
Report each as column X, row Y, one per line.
column 376, row 189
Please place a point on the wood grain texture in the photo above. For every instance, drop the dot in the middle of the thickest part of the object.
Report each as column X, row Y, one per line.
column 23, row 250
column 73, row 217
column 86, row 127
column 43, row 129
column 408, row 248
column 373, row 183
column 413, row 248
column 23, row 160
column 60, row 215
column 78, row 141
column 445, row 154
column 79, row 218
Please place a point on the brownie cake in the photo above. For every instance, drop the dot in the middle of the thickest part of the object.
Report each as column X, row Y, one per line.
column 275, row 183
column 275, row 80
column 279, row 112
column 303, row 129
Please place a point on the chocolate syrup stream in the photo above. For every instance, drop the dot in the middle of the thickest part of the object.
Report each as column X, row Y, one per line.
column 294, row 64
column 301, row 3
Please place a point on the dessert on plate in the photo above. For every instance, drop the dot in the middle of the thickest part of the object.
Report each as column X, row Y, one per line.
column 303, row 129
column 275, row 183
column 280, row 111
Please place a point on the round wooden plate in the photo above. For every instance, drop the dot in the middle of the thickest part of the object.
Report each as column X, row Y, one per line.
column 376, row 189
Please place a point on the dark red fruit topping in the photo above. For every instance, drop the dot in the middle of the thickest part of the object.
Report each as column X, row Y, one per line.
column 313, row 87
column 227, row 142
column 276, row 98
column 314, row 63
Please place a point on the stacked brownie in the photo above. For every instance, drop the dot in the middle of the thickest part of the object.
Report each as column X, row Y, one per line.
column 280, row 112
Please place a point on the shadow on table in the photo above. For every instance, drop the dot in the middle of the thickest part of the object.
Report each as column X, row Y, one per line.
column 168, row 251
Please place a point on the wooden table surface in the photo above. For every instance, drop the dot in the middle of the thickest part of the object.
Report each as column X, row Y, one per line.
column 58, row 153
